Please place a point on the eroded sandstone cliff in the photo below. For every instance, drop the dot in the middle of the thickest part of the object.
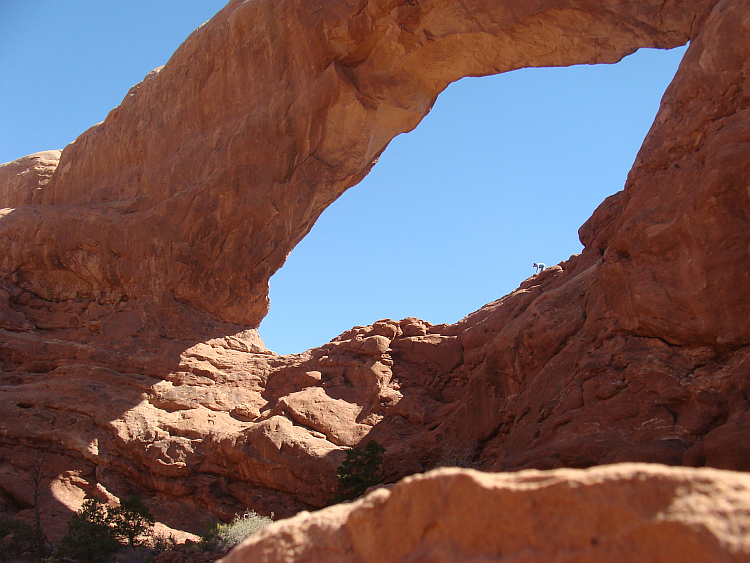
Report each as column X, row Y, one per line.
column 133, row 276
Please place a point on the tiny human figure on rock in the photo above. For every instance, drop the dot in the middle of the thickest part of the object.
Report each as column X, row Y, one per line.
column 539, row 267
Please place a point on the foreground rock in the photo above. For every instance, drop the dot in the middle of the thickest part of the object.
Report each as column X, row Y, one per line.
column 128, row 299
column 625, row 513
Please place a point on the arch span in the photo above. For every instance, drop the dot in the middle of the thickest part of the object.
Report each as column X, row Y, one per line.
column 502, row 172
column 194, row 190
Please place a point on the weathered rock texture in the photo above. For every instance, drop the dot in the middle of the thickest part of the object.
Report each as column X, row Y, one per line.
column 130, row 295
column 195, row 189
column 22, row 181
column 626, row 512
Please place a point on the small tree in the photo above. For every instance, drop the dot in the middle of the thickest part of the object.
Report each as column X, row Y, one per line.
column 131, row 520
column 89, row 537
column 359, row 471
column 37, row 475
column 95, row 531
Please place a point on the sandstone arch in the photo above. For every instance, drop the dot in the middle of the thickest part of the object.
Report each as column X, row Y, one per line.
column 166, row 221
column 210, row 171
column 451, row 215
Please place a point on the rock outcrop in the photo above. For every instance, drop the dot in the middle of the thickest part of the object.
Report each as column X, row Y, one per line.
column 132, row 279
column 626, row 512
column 22, row 181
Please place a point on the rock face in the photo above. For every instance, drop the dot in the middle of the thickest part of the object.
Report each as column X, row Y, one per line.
column 626, row 512
column 131, row 284
column 22, row 181
column 195, row 189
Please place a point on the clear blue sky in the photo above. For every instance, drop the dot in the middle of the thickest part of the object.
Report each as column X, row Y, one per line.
column 499, row 175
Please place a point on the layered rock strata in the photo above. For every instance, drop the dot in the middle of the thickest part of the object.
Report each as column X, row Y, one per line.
column 132, row 281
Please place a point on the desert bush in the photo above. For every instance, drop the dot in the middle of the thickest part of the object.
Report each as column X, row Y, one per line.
column 17, row 539
column 160, row 542
column 89, row 537
column 96, row 531
column 220, row 536
column 131, row 521
column 463, row 456
column 359, row 471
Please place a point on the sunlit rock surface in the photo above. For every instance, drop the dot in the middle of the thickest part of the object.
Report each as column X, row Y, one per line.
column 195, row 189
column 23, row 180
column 617, row 513
column 133, row 277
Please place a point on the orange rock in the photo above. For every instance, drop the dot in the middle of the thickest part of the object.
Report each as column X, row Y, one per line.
column 23, row 180
column 195, row 189
column 130, row 292
column 626, row 513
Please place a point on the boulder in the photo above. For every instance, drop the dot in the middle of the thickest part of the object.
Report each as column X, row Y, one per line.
column 628, row 512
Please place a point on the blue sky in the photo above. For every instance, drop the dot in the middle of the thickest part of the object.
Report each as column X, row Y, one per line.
column 499, row 175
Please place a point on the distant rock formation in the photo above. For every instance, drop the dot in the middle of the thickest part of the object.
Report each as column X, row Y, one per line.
column 132, row 278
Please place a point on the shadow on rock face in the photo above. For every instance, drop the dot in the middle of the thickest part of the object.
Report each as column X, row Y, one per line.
column 132, row 284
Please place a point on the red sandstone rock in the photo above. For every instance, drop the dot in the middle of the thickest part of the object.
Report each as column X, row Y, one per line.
column 23, row 181
column 618, row 513
column 195, row 189
column 127, row 351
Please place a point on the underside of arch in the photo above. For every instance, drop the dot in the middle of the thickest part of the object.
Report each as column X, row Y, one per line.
column 135, row 268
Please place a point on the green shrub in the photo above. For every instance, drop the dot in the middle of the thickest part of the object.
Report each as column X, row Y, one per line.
column 17, row 539
column 219, row 536
column 95, row 532
column 89, row 537
column 359, row 471
column 131, row 520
